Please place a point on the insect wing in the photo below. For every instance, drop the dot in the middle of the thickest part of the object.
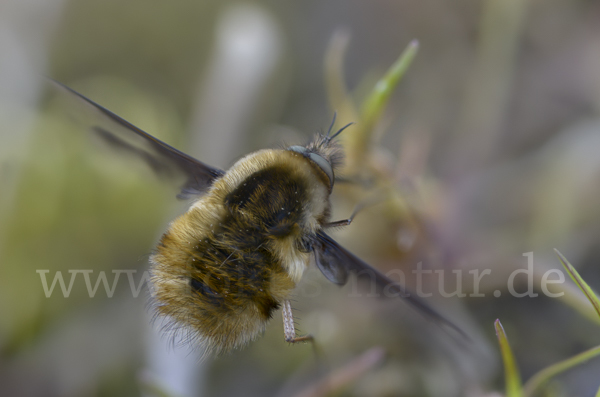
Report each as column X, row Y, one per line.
column 335, row 262
column 330, row 260
column 166, row 161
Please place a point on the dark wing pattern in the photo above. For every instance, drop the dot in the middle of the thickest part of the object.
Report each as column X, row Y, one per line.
column 335, row 262
column 166, row 161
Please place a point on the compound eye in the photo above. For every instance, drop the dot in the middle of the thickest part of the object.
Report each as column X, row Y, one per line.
column 323, row 164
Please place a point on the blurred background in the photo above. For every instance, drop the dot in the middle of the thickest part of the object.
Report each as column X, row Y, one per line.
column 488, row 149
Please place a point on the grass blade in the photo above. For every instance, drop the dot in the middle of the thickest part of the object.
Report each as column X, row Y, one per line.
column 542, row 377
column 357, row 143
column 511, row 372
column 583, row 286
column 375, row 103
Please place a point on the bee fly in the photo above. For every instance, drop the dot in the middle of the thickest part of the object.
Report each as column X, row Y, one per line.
column 224, row 267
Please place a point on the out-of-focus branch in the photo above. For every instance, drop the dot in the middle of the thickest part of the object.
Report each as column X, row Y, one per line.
column 344, row 375
column 488, row 90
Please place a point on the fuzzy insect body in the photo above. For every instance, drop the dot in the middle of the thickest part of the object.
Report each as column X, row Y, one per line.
column 225, row 266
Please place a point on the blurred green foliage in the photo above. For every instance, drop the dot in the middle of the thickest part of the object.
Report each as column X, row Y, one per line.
column 486, row 150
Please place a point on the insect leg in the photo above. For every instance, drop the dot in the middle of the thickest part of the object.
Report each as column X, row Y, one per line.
column 357, row 209
column 289, row 328
column 343, row 222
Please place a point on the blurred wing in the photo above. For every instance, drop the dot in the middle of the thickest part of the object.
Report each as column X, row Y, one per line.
column 335, row 262
column 166, row 161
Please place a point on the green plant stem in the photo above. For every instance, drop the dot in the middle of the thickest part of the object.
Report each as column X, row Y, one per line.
column 579, row 302
column 339, row 97
column 374, row 105
column 511, row 372
column 583, row 286
column 542, row 377
column 489, row 88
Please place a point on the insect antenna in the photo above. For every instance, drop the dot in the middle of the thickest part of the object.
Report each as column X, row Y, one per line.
column 329, row 137
column 332, row 124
